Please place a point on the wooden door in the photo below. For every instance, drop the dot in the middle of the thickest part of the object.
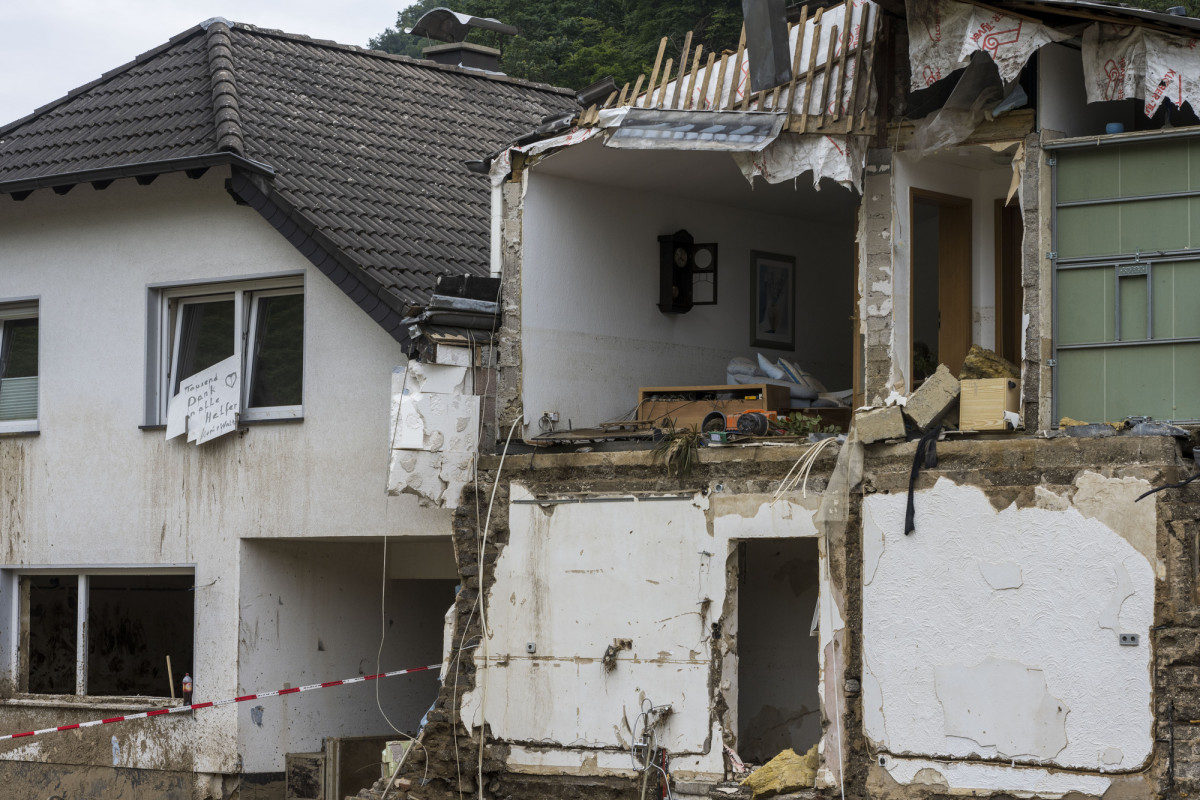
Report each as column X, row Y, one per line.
column 953, row 270
column 1009, row 232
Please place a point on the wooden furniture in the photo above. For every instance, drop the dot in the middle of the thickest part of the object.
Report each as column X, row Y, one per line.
column 983, row 401
column 687, row 406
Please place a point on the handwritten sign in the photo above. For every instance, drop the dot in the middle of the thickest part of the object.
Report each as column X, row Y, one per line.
column 208, row 403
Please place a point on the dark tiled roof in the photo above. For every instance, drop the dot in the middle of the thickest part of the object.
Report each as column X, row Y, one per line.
column 367, row 149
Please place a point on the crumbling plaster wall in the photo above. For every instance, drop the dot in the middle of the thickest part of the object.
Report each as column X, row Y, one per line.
column 876, row 279
column 661, row 587
column 577, row 577
column 434, row 432
column 1025, row 565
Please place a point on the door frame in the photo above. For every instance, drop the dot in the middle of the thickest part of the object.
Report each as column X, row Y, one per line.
column 962, row 241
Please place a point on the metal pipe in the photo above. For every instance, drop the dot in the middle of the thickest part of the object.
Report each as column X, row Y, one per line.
column 1133, row 198
column 1129, row 343
column 1120, row 138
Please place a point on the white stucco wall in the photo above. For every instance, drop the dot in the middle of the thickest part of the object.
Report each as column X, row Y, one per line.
column 591, row 331
column 992, row 635
column 311, row 613
column 93, row 489
column 982, row 187
column 575, row 577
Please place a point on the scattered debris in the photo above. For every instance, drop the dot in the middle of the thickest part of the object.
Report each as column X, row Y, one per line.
column 933, row 400
column 785, row 772
column 879, row 424
column 983, row 363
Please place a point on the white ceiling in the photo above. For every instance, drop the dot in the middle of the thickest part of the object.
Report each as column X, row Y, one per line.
column 697, row 174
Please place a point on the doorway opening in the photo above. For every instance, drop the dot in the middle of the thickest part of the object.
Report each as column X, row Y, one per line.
column 1009, row 232
column 940, row 288
column 778, row 647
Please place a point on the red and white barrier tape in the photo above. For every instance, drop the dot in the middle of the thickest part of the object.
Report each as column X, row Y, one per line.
column 215, row 703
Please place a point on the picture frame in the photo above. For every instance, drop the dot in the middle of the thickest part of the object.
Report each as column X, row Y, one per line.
column 772, row 300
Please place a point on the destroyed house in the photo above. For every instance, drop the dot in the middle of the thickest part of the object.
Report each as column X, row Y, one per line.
column 222, row 238
column 837, row 219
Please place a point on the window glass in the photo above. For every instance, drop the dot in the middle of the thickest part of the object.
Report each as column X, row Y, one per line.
column 205, row 337
column 52, row 630
column 134, row 623
column 278, row 371
column 18, row 369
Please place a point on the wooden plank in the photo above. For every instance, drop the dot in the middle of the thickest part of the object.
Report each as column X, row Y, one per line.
column 608, row 103
column 637, row 88
column 1013, row 126
column 737, row 70
column 662, row 95
column 624, row 94
column 683, row 59
column 865, row 84
column 829, row 59
column 718, row 90
column 662, row 47
column 791, row 93
column 852, row 100
column 708, row 69
column 812, row 64
column 691, row 87
column 847, row 26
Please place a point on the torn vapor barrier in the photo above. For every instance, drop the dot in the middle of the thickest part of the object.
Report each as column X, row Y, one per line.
column 434, row 432
column 1122, row 61
column 943, row 34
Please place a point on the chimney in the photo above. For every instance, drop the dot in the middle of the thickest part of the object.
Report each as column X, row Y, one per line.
column 452, row 27
column 464, row 54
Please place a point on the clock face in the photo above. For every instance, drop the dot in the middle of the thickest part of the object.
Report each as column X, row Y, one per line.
column 681, row 257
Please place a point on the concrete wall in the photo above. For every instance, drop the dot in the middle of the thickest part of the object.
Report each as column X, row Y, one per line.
column 311, row 613
column 591, row 332
column 647, row 575
column 93, row 489
column 1016, row 600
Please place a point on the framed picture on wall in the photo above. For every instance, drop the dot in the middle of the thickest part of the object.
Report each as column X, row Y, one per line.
column 772, row 300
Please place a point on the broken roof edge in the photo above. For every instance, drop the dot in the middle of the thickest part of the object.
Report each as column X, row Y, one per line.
column 203, row 28
column 136, row 169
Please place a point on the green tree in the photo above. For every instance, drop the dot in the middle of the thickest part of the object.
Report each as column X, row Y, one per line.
column 574, row 43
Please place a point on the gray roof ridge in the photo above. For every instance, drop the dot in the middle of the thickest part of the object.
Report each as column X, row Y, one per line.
column 416, row 62
column 224, row 87
column 105, row 77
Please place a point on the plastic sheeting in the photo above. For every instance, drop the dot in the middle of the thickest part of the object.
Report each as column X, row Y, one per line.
column 942, row 35
column 839, row 158
column 1122, row 62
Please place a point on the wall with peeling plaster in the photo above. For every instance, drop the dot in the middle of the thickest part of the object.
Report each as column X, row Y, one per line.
column 92, row 489
column 573, row 579
column 434, row 432
column 940, row 173
column 1027, row 601
column 591, row 331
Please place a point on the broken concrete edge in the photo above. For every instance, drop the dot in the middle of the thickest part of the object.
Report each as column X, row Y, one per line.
column 1003, row 469
column 933, row 399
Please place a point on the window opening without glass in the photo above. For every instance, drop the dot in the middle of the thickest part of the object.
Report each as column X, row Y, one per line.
column 106, row 634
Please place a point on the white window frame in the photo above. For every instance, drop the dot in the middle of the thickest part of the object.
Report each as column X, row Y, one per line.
column 14, row 310
column 82, row 600
column 172, row 300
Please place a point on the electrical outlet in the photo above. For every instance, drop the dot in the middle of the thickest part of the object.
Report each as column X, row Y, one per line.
column 550, row 415
column 1128, row 639
column 530, row 648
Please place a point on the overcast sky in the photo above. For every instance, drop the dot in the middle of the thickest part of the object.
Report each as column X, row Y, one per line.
column 48, row 47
